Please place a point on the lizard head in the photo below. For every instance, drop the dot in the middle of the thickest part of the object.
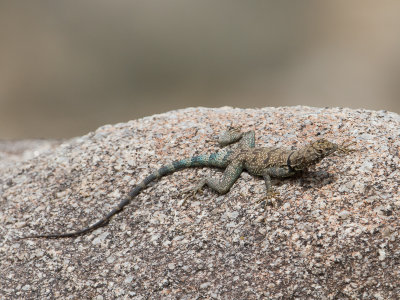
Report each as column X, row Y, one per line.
column 315, row 152
column 322, row 148
column 312, row 154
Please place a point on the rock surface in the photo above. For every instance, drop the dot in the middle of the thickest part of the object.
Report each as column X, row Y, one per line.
column 335, row 235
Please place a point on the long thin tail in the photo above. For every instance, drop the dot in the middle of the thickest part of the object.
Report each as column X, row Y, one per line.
column 219, row 160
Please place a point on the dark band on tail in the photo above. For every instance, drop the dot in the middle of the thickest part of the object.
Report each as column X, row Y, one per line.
column 217, row 160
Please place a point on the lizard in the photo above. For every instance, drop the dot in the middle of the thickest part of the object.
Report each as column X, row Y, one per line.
column 267, row 162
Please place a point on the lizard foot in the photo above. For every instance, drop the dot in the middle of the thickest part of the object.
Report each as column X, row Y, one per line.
column 232, row 134
column 272, row 198
column 344, row 148
column 191, row 192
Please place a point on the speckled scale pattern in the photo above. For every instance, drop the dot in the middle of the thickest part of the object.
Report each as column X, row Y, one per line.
column 265, row 162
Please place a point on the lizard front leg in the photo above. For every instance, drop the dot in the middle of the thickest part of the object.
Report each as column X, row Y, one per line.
column 270, row 192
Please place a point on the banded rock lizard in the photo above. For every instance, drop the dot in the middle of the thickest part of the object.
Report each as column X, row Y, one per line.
column 266, row 162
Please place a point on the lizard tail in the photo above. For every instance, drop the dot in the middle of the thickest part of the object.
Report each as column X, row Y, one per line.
column 219, row 159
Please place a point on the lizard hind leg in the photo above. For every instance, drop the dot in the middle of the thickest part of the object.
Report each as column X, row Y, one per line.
column 191, row 192
column 233, row 135
column 231, row 174
column 229, row 136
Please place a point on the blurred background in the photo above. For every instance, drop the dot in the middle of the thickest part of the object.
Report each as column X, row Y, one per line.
column 68, row 67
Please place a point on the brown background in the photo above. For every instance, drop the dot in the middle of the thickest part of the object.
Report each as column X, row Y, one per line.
column 67, row 67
